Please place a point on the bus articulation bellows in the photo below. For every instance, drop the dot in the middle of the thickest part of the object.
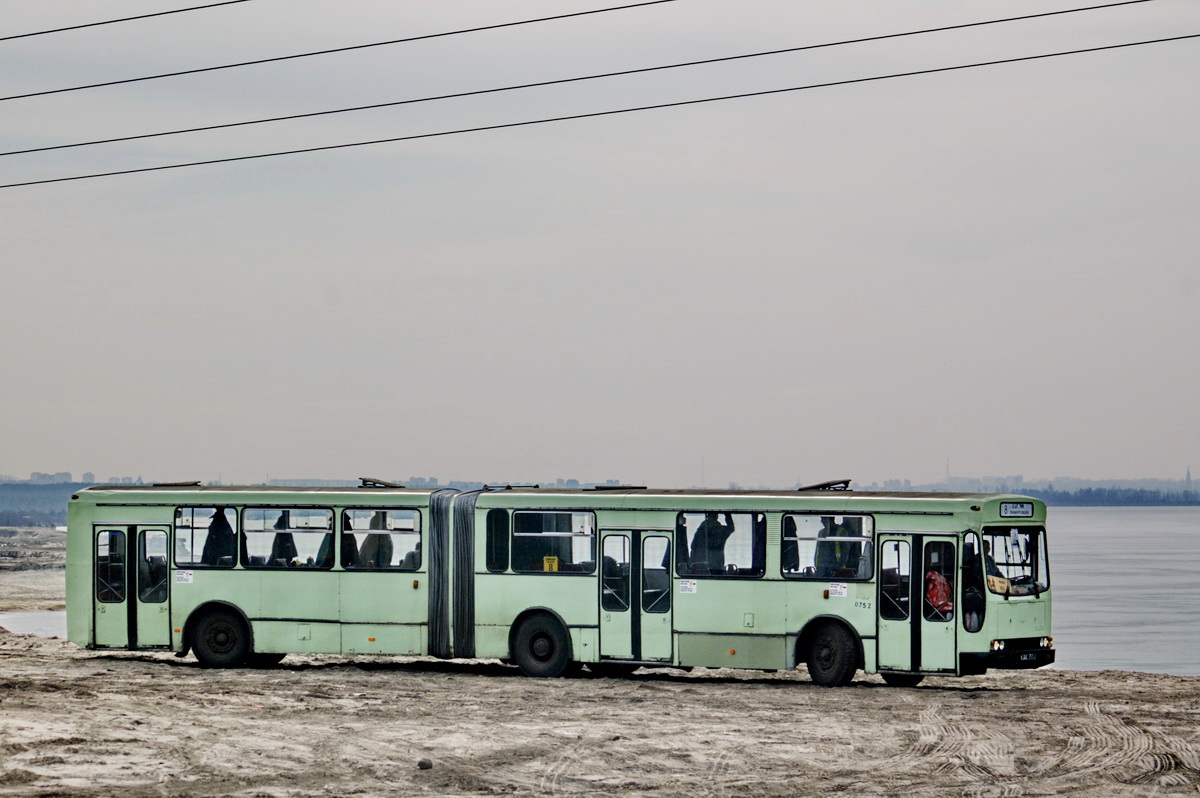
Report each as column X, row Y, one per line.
column 901, row 584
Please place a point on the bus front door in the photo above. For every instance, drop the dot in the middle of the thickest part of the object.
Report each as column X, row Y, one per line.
column 916, row 603
column 635, row 596
column 131, row 587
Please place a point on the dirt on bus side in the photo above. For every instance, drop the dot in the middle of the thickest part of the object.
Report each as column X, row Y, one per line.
column 88, row 723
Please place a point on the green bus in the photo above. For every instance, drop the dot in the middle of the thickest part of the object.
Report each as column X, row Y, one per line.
column 612, row 578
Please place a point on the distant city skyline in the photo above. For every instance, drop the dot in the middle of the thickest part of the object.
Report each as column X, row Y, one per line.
column 987, row 484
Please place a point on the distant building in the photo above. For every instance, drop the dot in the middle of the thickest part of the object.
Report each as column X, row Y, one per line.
column 88, row 477
column 38, row 478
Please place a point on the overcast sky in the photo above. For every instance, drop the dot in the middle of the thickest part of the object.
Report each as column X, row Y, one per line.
column 994, row 267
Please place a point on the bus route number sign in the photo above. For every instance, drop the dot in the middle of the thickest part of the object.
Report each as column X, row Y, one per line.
column 1016, row 509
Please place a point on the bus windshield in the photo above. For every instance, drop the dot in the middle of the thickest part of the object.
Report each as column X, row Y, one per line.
column 1014, row 560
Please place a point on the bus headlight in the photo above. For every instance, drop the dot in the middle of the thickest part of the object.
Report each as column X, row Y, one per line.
column 1046, row 642
column 997, row 645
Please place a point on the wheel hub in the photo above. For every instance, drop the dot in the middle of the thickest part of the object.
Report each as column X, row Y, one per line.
column 542, row 647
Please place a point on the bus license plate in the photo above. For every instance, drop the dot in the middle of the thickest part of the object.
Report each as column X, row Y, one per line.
column 1029, row 656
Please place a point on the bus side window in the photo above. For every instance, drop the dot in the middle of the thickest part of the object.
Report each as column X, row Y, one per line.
column 381, row 540
column 554, row 542
column 152, row 566
column 722, row 544
column 894, row 578
column 497, row 541
column 827, row 546
column 789, row 551
column 287, row 537
column 939, row 581
column 973, row 602
column 615, row 573
column 656, row 580
column 110, row 566
column 205, row 536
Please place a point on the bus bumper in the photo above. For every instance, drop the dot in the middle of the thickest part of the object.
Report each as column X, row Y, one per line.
column 1010, row 658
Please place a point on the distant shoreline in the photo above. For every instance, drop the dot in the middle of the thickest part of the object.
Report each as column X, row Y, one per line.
column 24, row 504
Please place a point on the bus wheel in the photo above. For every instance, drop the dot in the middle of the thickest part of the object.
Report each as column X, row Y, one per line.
column 220, row 640
column 902, row 679
column 257, row 660
column 832, row 658
column 541, row 647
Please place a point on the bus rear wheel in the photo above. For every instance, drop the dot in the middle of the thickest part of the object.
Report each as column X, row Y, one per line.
column 902, row 679
column 541, row 647
column 220, row 640
column 832, row 656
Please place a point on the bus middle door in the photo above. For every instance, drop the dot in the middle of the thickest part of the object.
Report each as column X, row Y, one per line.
column 916, row 603
column 635, row 596
column 131, row 587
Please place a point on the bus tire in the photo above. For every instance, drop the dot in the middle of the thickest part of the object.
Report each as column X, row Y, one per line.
column 541, row 647
column 832, row 656
column 902, row 679
column 221, row 640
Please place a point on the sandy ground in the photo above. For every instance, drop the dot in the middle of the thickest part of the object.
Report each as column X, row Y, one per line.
column 74, row 722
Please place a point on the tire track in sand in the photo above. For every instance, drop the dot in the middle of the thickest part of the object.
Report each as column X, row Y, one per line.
column 977, row 752
column 1122, row 752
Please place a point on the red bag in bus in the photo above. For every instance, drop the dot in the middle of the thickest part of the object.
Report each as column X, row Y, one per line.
column 937, row 592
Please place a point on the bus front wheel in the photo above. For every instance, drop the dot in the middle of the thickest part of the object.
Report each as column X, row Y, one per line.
column 220, row 640
column 832, row 656
column 541, row 647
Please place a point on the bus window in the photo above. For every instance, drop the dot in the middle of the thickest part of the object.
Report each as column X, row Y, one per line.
column 1014, row 560
column 973, row 603
column 152, row 566
column 205, row 536
column 381, row 540
column 615, row 573
column 497, row 541
column 723, row 544
column 550, row 542
column 894, row 584
column 827, row 546
column 287, row 537
column 656, row 579
column 939, row 581
column 110, row 566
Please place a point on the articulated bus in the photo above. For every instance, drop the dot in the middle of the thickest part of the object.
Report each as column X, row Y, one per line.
column 901, row 584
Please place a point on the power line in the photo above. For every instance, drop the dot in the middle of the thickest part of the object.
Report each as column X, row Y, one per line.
column 594, row 114
column 122, row 19
column 544, row 83
column 334, row 50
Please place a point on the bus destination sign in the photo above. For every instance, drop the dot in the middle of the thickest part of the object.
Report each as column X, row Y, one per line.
column 1016, row 509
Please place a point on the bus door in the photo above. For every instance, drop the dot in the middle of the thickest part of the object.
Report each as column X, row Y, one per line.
column 131, row 587
column 916, row 603
column 635, row 596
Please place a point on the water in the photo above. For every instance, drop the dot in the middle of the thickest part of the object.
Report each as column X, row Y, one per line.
column 42, row 624
column 1125, row 580
column 1125, row 587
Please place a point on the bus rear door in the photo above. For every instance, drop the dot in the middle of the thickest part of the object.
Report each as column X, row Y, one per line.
column 131, row 587
column 916, row 603
column 635, row 596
